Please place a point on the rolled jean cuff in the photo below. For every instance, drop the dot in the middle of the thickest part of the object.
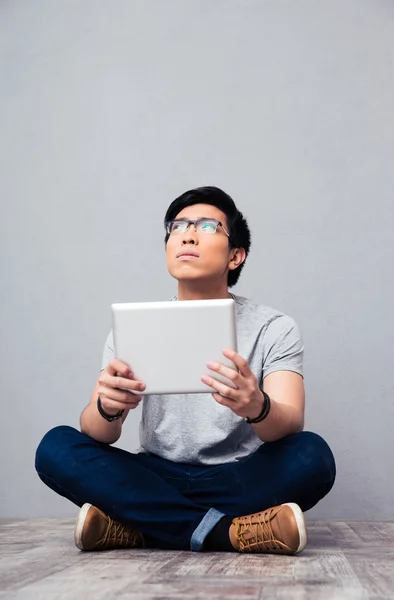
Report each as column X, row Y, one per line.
column 212, row 517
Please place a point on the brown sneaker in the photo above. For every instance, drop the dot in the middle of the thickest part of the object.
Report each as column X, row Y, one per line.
column 278, row 530
column 94, row 530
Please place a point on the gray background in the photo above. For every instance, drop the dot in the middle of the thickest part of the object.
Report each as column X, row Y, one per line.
column 109, row 110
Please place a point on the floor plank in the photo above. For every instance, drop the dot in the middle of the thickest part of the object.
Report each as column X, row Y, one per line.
column 343, row 560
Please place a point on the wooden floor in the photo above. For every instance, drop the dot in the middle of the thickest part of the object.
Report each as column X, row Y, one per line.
column 343, row 560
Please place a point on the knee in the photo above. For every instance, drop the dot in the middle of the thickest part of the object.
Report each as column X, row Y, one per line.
column 53, row 447
column 317, row 458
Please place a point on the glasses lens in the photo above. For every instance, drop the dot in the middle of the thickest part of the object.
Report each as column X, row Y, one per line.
column 207, row 226
column 177, row 226
column 203, row 225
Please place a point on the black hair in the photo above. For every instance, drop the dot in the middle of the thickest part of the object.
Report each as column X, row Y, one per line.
column 236, row 223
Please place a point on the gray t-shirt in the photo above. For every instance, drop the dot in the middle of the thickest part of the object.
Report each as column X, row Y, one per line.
column 194, row 428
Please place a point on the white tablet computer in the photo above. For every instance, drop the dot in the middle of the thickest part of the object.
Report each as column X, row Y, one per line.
column 168, row 344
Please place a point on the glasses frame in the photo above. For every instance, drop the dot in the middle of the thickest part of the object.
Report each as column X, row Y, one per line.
column 194, row 222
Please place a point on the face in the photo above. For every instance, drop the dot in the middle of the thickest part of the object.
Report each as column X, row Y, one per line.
column 212, row 254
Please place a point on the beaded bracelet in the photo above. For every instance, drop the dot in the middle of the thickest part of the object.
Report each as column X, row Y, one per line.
column 264, row 411
column 105, row 415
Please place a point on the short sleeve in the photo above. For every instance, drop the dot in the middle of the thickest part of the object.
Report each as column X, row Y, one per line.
column 109, row 350
column 283, row 347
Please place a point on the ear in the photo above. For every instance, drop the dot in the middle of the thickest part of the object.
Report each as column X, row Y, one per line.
column 237, row 257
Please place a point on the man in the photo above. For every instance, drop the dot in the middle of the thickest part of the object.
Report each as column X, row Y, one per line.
column 231, row 470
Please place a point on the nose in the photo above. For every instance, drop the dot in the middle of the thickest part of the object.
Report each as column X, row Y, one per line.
column 190, row 236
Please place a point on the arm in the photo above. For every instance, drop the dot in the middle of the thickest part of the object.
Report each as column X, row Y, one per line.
column 287, row 394
column 283, row 382
column 285, row 389
column 114, row 388
column 93, row 424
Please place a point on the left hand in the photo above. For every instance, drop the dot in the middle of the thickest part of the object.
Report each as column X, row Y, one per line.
column 245, row 401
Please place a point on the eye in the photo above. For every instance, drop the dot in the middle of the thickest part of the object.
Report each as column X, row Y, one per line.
column 178, row 226
column 208, row 227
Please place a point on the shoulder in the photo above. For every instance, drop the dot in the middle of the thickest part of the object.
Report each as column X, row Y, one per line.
column 266, row 316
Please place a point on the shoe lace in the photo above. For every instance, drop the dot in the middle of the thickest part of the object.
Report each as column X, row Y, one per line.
column 121, row 535
column 259, row 525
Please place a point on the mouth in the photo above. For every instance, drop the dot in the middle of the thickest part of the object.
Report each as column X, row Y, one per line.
column 187, row 255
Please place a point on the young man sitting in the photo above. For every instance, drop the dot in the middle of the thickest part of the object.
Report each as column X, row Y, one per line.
column 226, row 471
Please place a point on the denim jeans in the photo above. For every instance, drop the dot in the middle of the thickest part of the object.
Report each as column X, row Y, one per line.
column 176, row 505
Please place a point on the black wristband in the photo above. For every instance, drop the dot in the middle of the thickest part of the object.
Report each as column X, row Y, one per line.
column 105, row 415
column 264, row 411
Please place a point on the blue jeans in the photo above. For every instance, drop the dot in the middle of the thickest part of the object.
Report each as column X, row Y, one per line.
column 176, row 505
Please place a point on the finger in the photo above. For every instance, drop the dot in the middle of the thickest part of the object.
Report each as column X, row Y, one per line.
column 109, row 406
column 131, row 385
column 239, row 362
column 118, row 395
column 220, row 387
column 117, row 366
column 122, row 383
column 228, row 372
column 223, row 400
column 113, row 405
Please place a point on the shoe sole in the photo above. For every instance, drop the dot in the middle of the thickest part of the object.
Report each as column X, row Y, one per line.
column 79, row 525
column 300, row 520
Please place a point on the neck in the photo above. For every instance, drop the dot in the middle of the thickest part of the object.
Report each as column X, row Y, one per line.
column 197, row 292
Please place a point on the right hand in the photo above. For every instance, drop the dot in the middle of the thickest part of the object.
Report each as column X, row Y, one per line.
column 116, row 386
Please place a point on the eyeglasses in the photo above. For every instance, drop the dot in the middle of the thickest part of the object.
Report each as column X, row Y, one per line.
column 201, row 225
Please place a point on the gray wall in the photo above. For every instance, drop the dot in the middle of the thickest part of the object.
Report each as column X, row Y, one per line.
column 108, row 111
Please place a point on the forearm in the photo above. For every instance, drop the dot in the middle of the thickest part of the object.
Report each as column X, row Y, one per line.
column 282, row 420
column 96, row 427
